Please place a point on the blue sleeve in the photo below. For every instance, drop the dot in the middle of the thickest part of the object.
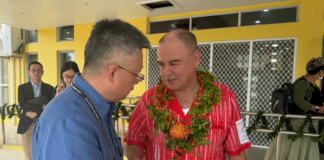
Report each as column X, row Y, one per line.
column 66, row 139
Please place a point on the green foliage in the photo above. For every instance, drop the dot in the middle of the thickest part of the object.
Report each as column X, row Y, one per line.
column 286, row 121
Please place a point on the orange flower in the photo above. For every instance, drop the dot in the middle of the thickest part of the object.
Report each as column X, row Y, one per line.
column 154, row 102
column 177, row 131
column 165, row 90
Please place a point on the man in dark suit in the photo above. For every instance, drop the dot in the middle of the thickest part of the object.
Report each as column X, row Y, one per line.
column 31, row 111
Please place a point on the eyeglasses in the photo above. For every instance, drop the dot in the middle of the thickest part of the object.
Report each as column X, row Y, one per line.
column 34, row 71
column 68, row 77
column 140, row 77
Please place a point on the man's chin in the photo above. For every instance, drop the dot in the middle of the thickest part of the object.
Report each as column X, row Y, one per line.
column 172, row 87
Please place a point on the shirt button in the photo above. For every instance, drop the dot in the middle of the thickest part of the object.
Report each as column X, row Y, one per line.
column 184, row 121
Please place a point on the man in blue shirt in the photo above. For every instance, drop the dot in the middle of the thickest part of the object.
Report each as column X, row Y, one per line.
column 77, row 124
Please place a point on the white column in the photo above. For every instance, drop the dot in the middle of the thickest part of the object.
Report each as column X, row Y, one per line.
column 12, row 85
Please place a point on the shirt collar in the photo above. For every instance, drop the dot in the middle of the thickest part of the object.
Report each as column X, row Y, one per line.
column 102, row 106
column 36, row 85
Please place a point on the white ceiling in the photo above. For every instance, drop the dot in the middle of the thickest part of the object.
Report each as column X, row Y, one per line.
column 40, row 14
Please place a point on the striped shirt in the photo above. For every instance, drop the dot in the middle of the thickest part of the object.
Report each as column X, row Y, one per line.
column 223, row 134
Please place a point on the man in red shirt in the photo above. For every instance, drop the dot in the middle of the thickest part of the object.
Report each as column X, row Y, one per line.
column 172, row 119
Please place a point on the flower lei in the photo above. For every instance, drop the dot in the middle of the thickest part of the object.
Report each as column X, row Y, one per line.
column 180, row 137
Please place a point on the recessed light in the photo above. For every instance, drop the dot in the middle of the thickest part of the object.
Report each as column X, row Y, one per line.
column 267, row 45
column 257, row 21
column 274, row 53
column 273, row 60
column 266, row 10
column 21, row 12
column 87, row 3
column 275, row 45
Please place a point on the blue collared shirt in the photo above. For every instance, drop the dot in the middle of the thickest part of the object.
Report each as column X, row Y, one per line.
column 68, row 129
column 37, row 89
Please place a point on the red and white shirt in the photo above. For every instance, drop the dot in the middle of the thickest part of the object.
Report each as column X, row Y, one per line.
column 223, row 134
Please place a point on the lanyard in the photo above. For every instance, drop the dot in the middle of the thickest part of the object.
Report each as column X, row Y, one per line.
column 76, row 89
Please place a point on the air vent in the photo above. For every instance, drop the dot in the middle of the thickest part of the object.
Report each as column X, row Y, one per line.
column 158, row 5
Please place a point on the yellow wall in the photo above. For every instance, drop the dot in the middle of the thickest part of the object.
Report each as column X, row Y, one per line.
column 309, row 31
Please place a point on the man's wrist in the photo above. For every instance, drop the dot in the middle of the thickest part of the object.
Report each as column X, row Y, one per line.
column 316, row 109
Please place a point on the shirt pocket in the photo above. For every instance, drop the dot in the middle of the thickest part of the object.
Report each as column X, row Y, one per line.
column 217, row 135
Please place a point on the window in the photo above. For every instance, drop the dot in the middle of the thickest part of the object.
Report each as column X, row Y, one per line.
column 4, row 90
column 5, row 93
column 64, row 56
column 245, row 18
column 31, row 36
column 5, row 71
column 166, row 26
column 30, row 57
column 65, row 33
column 269, row 16
column 217, row 21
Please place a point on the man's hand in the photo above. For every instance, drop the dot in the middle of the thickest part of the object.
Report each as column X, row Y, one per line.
column 134, row 152
column 44, row 105
column 241, row 156
column 31, row 114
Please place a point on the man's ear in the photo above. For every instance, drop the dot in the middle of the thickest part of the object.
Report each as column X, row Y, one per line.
column 111, row 70
column 197, row 58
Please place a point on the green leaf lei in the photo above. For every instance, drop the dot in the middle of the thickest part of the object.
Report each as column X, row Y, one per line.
column 196, row 133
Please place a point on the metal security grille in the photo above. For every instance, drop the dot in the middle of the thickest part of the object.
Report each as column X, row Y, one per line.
column 153, row 71
column 272, row 65
column 204, row 55
column 230, row 66
column 251, row 69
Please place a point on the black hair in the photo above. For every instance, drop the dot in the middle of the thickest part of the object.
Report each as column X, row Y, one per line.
column 315, row 70
column 109, row 38
column 35, row 62
column 69, row 65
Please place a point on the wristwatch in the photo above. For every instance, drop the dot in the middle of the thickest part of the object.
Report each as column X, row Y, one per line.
column 316, row 110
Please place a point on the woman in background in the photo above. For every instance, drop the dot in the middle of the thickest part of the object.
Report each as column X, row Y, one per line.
column 68, row 71
column 308, row 100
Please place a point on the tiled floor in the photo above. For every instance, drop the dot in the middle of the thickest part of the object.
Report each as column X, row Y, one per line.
column 7, row 154
column 13, row 139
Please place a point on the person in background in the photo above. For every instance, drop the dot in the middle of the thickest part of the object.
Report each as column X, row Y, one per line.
column 306, row 100
column 77, row 124
column 68, row 72
column 28, row 91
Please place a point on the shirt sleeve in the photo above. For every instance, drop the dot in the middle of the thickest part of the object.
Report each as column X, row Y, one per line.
column 237, row 139
column 137, row 131
column 66, row 139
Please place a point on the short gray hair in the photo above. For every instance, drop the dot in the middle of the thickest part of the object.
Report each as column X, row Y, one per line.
column 185, row 36
column 109, row 39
